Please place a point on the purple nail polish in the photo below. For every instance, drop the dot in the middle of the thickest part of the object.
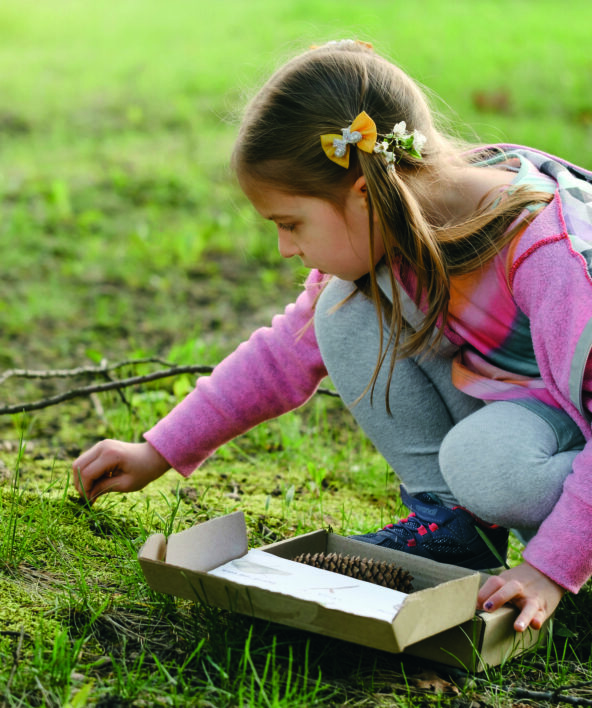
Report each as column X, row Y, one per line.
column 488, row 605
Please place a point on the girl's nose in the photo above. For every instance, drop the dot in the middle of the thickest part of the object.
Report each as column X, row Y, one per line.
column 286, row 245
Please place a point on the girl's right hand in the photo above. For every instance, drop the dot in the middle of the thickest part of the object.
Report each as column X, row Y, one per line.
column 114, row 466
column 535, row 595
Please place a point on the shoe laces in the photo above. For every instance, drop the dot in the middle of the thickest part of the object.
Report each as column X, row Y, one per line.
column 411, row 525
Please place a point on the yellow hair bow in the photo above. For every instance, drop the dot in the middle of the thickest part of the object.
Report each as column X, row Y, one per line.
column 362, row 133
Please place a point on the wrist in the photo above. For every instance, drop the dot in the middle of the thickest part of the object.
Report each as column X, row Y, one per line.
column 553, row 584
column 155, row 460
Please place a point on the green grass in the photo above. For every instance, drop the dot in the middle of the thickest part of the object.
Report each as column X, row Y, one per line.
column 124, row 235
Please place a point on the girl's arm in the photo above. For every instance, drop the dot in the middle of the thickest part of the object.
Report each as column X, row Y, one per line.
column 275, row 371
column 552, row 285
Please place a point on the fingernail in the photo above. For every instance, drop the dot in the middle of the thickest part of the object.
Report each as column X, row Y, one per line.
column 488, row 605
column 520, row 626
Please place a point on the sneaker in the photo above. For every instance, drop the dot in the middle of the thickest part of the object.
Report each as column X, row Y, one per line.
column 445, row 535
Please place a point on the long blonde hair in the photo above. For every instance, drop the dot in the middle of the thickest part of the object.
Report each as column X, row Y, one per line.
column 321, row 91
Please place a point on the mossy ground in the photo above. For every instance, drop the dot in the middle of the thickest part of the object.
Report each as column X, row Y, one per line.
column 76, row 611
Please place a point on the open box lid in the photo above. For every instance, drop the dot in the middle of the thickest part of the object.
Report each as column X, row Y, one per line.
column 210, row 563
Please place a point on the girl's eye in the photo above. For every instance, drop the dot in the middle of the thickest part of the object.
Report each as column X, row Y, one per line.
column 287, row 227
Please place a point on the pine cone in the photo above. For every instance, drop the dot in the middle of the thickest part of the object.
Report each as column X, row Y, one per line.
column 372, row 571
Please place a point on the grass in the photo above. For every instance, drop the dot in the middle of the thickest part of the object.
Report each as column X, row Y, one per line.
column 125, row 236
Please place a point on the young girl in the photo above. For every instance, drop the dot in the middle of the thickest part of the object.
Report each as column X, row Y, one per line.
column 452, row 303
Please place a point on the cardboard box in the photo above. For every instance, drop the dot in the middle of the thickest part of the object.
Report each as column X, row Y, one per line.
column 210, row 563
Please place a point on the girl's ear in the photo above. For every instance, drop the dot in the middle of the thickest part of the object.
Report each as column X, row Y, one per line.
column 359, row 186
column 360, row 189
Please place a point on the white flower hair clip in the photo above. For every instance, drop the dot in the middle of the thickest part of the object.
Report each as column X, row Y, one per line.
column 400, row 139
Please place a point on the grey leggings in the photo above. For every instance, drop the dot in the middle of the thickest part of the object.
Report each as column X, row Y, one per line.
column 503, row 461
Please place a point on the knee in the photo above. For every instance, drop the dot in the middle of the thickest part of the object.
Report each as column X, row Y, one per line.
column 502, row 464
column 469, row 459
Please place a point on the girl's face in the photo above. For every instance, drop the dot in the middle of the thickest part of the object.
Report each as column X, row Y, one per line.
column 330, row 240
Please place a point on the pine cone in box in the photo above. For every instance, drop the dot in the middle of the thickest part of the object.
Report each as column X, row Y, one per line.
column 372, row 571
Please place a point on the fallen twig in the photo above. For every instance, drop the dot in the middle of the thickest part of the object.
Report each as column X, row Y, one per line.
column 99, row 370
column 107, row 386
column 554, row 696
column 551, row 695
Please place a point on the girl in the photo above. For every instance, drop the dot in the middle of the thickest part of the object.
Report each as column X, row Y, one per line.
column 452, row 300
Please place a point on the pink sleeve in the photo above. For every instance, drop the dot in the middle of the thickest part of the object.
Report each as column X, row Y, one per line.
column 276, row 370
column 553, row 288
column 562, row 548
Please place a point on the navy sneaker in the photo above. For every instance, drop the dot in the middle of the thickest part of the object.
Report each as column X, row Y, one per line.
column 445, row 535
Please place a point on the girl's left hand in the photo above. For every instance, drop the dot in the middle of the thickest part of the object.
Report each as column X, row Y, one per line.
column 531, row 591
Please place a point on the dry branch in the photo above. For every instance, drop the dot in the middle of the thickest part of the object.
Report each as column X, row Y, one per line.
column 557, row 695
column 103, row 368
column 552, row 696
